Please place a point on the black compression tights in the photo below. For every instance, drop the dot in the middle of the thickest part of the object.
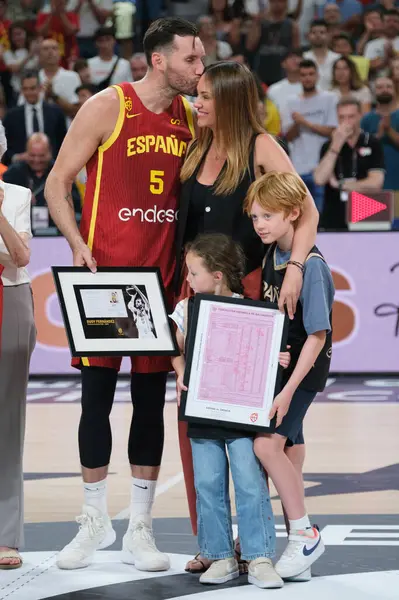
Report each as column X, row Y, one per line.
column 146, row 430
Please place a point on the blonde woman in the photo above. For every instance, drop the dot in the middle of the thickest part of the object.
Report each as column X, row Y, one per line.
column 231, row 151
column 18, row 337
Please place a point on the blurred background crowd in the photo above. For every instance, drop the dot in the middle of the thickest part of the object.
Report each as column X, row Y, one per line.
column 308, row 57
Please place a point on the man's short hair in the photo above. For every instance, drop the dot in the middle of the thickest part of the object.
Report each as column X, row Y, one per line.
column 29, row 75
column 80, row 64
column 138, row 56
column 104, row 32
column 307, row 63
column 350, row 101
column 90, row 87
column 291, row 52
column 343, row 36
column 161, row 33
column 393, row 12
column 318, row 23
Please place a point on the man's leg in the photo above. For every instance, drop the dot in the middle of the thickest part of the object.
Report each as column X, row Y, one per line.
column 95, row 444
column 145, row 453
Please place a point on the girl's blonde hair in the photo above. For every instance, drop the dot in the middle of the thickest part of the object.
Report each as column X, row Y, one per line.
column 237, row 121
column 220, row 253
column 277, row 192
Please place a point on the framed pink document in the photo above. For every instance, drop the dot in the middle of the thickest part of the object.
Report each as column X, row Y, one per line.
column 232, row 368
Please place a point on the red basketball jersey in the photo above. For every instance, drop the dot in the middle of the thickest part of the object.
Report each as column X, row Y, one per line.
column 131, row 200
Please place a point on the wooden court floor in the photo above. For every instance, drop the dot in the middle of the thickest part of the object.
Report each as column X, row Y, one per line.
column 351, row 465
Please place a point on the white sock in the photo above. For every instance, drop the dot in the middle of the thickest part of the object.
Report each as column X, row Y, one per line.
column 95, row 494
column 142, row 497
column 300, row 524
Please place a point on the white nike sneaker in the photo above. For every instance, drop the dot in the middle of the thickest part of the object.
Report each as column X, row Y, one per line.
column 303, row 549
column 221, row 571
column 305, row 576
column 95, row 533
column 262, row 573
column 139, row 549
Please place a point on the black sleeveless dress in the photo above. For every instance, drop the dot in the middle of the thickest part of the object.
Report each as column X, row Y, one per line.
column 202, row 211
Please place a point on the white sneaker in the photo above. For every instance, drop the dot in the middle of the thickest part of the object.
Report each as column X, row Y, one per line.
column 305, row 576
column 95, row 533
column 302, row 551
column 221, row 571
column 262, row 573
column 139, row 549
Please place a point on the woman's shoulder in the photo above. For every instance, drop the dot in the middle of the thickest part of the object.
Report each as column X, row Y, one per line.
column 267, row 142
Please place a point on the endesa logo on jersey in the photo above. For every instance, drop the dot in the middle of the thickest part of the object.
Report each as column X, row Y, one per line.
column 151, row 215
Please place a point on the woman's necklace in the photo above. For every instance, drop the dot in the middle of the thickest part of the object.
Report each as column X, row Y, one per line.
column 217, row 154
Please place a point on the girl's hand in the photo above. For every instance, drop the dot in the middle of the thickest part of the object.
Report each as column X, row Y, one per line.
column 280, row 406
column 284, row 358
column 180, row 388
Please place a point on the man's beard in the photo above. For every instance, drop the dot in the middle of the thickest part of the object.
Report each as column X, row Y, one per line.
column 182, row 85
column 309, row 88
column 385, row 98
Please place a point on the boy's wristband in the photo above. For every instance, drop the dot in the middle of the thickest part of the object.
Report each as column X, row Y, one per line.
column 297, row 264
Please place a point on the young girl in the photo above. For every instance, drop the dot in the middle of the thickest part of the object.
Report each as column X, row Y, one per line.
column 215, row 266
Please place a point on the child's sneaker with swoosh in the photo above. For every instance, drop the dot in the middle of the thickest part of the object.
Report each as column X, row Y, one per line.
column 303, row 549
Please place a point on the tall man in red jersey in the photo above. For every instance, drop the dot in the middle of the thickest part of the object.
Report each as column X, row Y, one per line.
column 133, row 139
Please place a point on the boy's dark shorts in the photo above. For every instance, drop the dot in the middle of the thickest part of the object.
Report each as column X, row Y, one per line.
column 292, row 425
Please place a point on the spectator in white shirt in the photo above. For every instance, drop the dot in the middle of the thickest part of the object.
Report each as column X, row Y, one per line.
column 58, row 84
column 307, row 123
column 320, row 54
column 22, row 54
column 383, row 49
column 290, row 86
column 107, row 68
column 139, row 66
column 92, row 15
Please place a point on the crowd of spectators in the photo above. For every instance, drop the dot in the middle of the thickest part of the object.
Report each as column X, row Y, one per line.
column 310, row 57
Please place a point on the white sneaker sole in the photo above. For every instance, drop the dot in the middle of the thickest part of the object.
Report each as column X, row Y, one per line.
column 302, row 577
column 68, row 564
column 293, row 572
column 265, row 585
column 219, row 580
column 141, row 565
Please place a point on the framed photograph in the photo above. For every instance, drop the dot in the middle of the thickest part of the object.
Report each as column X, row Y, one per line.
column 115, row 311
column 232, row 362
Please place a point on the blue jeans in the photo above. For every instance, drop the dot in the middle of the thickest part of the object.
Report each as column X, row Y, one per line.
column 316, row 191
column 254, row 512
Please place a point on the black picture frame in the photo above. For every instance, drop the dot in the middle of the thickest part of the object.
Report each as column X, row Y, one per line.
column 82, row 283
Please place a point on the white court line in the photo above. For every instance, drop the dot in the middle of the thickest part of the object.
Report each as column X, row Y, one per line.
column 161, row 489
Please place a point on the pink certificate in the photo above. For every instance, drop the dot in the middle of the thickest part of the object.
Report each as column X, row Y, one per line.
column 232, row 361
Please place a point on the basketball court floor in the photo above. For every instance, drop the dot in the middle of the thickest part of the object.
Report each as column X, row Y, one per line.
column 352, row 487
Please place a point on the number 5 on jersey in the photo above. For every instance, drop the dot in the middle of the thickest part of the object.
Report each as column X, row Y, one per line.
column 156, row 182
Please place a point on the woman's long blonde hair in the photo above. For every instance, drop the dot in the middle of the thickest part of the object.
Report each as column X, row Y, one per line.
column 237, row 121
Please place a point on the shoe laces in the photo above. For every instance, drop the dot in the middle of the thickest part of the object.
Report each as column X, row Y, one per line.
column 142, row 531
column 88, row 526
